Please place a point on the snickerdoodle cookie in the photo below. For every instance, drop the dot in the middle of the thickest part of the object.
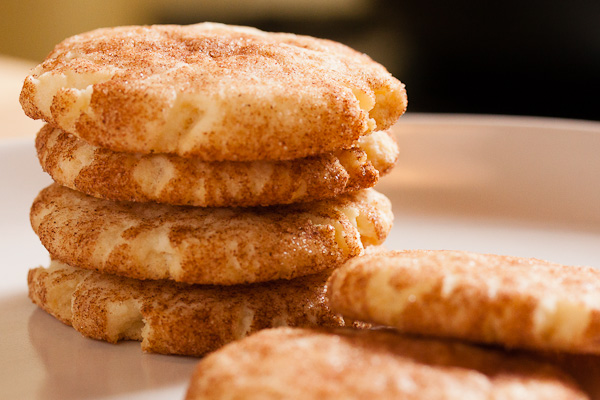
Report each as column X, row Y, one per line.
column 172, row 179
column 366, row 364
column 208, row 245
column 511, row 301
column 174, row 318
column 211, row 91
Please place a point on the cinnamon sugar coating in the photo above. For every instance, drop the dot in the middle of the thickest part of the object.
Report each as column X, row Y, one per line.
column 176, row 180
column 365, row 364
column 173, row 318
column 511, row 301
column 208, row 245
column 212, row 91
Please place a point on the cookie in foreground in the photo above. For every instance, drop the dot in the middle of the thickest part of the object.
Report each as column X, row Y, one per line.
column 177, row 180
column 512, row 301
column 212, row 91
column 359, row 364
column 174, row 318
column 222, row 246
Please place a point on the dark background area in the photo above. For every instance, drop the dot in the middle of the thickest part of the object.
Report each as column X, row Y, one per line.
column 529, row 57
column 537, row 58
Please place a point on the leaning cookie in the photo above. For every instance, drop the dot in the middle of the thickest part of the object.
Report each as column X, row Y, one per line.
column 515, row 302
column 366, row 364
column 177, row 180
column 174, row 318
column 208, row 245
column 212, row 91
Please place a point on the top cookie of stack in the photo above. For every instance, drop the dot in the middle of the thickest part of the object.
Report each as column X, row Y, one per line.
column 212, row 115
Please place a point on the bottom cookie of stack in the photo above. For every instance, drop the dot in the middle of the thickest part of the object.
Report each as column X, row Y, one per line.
column 175, row 318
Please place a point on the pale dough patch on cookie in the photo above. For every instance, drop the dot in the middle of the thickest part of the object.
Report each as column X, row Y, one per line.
column 82, row 158
column 173, row 318
column 71, row 91
column 263, row 176
column 126, row 321
column 191, row 116
column 153, row 174
column 176, row 180
column 208, row 245
column 380, row 290
column 562, row 321
column 109, row 238
column 199, row 193
column 213, row 92
column 193, row 136
column 381, row 150
column 244, row 326
column 366, row 102
column 516, row 302
column 347, row 363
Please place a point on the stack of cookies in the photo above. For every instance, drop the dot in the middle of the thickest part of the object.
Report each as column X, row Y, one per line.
column 208, row 179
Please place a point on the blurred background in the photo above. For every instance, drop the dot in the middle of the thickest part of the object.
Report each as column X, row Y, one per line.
column 528, row 57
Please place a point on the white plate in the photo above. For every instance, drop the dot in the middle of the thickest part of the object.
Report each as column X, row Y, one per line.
column 520, row 186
